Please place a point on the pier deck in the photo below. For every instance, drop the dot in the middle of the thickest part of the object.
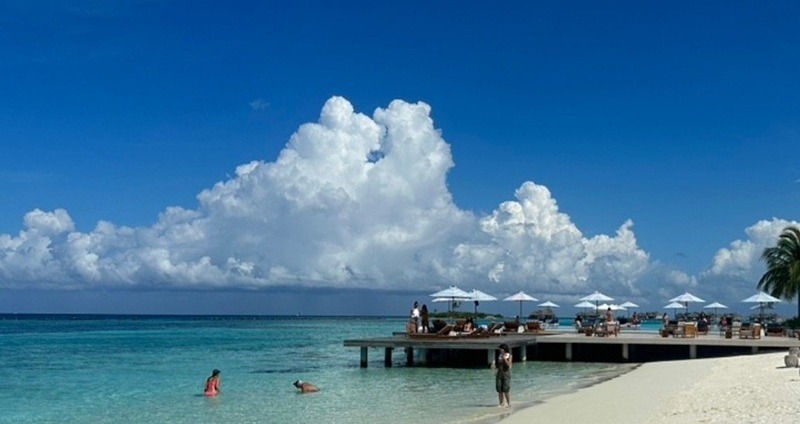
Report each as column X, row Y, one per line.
column 629, row 346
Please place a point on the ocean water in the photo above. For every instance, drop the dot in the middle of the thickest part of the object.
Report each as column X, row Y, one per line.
column 152, row 369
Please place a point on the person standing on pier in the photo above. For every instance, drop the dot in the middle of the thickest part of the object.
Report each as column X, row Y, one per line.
column 502, row 380
column 424, row 317
column 415, row 316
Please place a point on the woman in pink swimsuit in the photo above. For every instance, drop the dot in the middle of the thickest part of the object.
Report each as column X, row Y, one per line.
column 212, row 384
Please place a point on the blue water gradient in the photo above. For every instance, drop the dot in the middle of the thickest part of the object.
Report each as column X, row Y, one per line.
column 151, row 369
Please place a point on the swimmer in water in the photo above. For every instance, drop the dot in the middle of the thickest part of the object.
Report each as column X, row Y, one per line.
column 305, row 387
column 212, row 384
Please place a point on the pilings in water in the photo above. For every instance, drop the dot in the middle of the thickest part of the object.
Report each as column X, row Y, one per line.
column 479, row 352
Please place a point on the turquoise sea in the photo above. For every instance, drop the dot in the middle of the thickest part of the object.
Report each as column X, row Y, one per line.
column 151, row 369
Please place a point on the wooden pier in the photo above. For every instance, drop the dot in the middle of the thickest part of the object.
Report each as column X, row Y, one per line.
column 632, row 346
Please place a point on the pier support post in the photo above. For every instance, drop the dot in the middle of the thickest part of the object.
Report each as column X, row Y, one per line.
column 755, row 350
column 693, row 351
column 410, row 356
column 523, row 352
column 363, row 357
column 422, row 354
column 625, row 351
column 387, row 357
column 489, row 356
column 568, row 351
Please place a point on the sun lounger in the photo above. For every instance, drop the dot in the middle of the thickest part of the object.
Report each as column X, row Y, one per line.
column 533, row 327
column 443, row 332
column 775, row 331
column 751, row 332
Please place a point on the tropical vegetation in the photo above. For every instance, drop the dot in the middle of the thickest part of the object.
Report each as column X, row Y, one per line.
column 782, row 278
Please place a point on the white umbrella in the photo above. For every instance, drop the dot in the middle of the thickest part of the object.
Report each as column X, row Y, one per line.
column 597, row 297
column 763, row 300
column 451, row 293
column 617, row 307
column 685, row 299
column 478, row 296
column 715, row 305
column 627, row 305
column 548, row 304
column 585, row 304
column 603, row 307
column 675, row 306
column 521, row 297
column 761, row 297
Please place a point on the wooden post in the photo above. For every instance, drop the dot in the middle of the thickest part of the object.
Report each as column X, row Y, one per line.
column 410, row 356
column 625, row 352
column 490, row 356
column 693, row 351
column 422, row 356
column 568, row 351
column 755, row 350
column 387, row 357
column 523, row 352
column 363, row 356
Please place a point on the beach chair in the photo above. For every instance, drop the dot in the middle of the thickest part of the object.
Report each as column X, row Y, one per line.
column 775, row 330
column 533, row 327
column 438, row 324
column 510, row 326
column 495, row 328
column 601, row 330
column 680, row 330
column 612, row 328
column 736, row 327
column 690, row 330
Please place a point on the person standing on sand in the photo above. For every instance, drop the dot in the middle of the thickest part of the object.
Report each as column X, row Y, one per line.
column 502, row 379
column 212, row 384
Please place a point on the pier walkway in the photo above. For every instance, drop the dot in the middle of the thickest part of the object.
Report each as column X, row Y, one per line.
column 629, row 346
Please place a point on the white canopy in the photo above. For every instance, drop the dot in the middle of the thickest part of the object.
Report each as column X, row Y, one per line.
column 450, row 294
column 481, row 296
column 761, row 297
column 675, row 305
column 629, row 305
column 548, row 304
column 597, row 297
column 584, row 304
column 612, row 306
column 686, row 297
column 453, row 293
column 520, row 297
column 715, row 305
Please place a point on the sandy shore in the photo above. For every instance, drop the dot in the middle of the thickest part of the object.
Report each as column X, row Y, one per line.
column 741, row 389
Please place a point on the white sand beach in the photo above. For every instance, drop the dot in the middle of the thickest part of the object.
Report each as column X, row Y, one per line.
column 742, row 389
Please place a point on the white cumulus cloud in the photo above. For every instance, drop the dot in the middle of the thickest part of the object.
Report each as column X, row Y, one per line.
column 353, row 201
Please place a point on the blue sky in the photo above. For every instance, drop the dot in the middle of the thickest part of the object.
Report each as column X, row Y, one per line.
column 646, row 150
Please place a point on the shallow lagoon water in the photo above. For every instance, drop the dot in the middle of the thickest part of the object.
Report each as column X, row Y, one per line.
column 127, row 369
